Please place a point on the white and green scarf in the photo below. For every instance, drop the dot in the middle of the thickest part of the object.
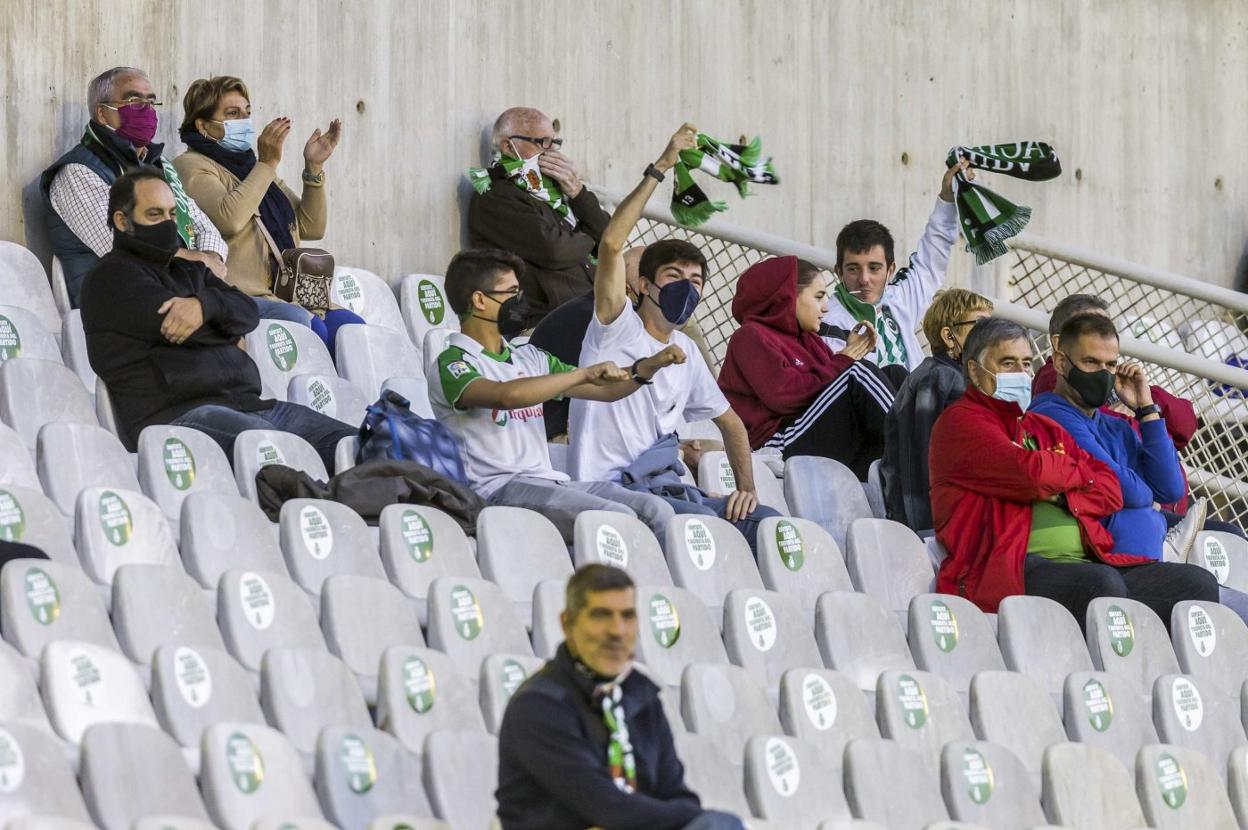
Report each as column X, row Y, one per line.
column 889, row 347
column 526, row 176
column 738, row 164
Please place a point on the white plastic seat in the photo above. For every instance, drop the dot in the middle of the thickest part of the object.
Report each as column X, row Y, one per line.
column 19, row 690
column 24, row 283
column 421, row 691
column 1211, row 643
column 23, row 334
column 413, row 388
column 251, row 771
column 922, row 711
column 1041, row 639
column 344, row 453
column 461, row 772
column 1127, row 639
column 17, row 462
column 1198, row 716
column 874, row 488
column 726, row 704
column 891, row 784
column 1179, row 788
column 176, row 462
column 258, row 611
column 256, row 448
column 1108, row 711
column 800, row 559
column 27, row 515
column 984, row 784
column 518, row 548
column 37, row 392
column 887, row 560
column 84, row 684
column 709, row 558
column 321, row 539
column 826, row 492
column 158, row 604
column 826, row 709
column 422, row 298
column 73, row 457
column 42, row 601
column 787, row 783
column 1225, row 555
column 765, row 633
column 420, row 544
column 951, row 637
column 221, row 532
column 329, row 395
column 470, row 619
column 1010, row 709
column 501, row 675
column 674, row 631
column 858, row 637
column 368, row 355
column 194, row 687
column 621, row 541
column 282, row 350
column 716, row 780
column 434, row 344
column 362, row 617
column 548, row 605
column 366, row 294
column 302, row 689
column 363, row 775
column 115, row 527
column 74, row 348
column 104, row 411
column 715, row 476
column 1086, row 788
column 38, row 778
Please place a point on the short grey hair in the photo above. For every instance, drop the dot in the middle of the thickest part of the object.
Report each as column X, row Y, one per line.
column 591, row 579
column 512, row 120
column 103, row 86
column 987, row 333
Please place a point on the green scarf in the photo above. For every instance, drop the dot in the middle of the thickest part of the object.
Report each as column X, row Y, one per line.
column 620, row 759
column 527, row 178
column 738, row 164
column 890, row 349
column 987, row 218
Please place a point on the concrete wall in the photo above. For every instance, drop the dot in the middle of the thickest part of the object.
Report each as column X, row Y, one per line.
column 858, row 100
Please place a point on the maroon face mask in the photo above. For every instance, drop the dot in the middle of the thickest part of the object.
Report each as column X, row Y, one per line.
column 138, row 123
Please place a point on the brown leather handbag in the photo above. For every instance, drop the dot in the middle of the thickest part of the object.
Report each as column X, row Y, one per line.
column 304, row 275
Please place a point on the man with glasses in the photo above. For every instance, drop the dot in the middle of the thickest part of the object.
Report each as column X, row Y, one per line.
column 531, row 201
column 117, row 139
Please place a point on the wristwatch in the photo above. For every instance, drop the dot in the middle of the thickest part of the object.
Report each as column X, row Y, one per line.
column 654, row 173
column 1145, row 411
column 632, row 370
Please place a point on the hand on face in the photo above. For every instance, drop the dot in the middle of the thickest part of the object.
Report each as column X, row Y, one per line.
column 1131, row 383
column 560, row 168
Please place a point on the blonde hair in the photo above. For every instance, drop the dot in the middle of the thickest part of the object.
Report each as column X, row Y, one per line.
column 948, row 308
column 204, row 95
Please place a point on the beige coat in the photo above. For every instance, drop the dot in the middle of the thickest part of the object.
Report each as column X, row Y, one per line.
column 234, row 207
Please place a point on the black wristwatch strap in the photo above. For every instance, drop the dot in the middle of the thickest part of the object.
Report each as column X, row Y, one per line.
column 1145, row 411
column 654, row 173
column 638, row 379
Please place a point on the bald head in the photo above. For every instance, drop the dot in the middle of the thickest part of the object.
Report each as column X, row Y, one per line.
column 524, row 121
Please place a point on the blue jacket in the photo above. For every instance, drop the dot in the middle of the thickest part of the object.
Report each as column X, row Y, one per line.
column 1147, row 466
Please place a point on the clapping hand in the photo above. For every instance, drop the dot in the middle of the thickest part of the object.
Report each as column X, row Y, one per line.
column 321, row 146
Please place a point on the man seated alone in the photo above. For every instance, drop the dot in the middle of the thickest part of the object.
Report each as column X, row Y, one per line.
column 923, row 395
column 164, row 333
column 1018, row 505
column 584, row 741
column 634, row 440
column 490, row 394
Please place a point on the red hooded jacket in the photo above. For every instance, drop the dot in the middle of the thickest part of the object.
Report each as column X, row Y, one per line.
column 772, row 371
column 989, row 463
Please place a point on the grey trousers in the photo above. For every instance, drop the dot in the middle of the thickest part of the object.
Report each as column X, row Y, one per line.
column 562, row 501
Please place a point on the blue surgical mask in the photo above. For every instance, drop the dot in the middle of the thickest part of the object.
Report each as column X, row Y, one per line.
column 677, row 300
column 1014, row 386
column 239, row 134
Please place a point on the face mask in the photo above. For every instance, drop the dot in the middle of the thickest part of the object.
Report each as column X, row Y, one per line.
column 677, row 300
column 1093, row 388
column 138, row 123
column 239, row 134
column 531, row 172
column 1014, row 386
column 512, row 313
column 161, row 238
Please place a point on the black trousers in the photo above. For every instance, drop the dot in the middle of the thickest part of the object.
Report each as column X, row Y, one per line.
column 17, row 550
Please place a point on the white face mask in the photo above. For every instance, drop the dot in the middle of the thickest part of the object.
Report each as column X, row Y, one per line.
column 1013, row 386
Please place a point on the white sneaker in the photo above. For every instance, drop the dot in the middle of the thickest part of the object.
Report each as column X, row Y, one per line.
column 1180, row 538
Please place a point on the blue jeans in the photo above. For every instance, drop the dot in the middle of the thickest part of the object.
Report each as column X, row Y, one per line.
column 326, row 329
column 222, row 424
column 714, row 820
column 712, row 506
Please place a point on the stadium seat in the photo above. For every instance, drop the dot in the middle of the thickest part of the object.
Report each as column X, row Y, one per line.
column 414, row 389
column 177, row 462
column 38, row 778
column 608, row 538
column 726, row 704
column 368, row 355
column 407, row 821
column 433, row 345
column 195, row 687
column 1125, row 638
column 859, row 637
column 222, row 533
column 1108, row 712
column 362, row 617
column 131, row 770
column 104, row 412
column 323, row 538
column 922, row 711
column 1237, row 776
column 344, row 453
column 302, row 689
column 517, row 548
column 74, row 348
column 461, row 772
column 17, row 461
column 1192, row 714
column 284, row 350
column 258, row 611
column 715, row 476
column 23, row 334
column 874, row 488
column 158, row 604
column 766, row 634
column 37, row 392
column 1215, row 340
column 1010, row 709
column 501, row 675
column 548, row 604
column 892, row 784
column 826, row 709
column 470, row 619
column 366, row 294
column 44, row 601
column 84, row 684
column 787, row 783
column 19, row 691
column 709, row 557
column 1225, row 555
column 256, row 448
column 27, row 515
column 951, row 637
column 1179, row 788
column 329, row 395
column 888, row 561
column 422, row 298
column 674, row 630
column 1086, row 788
column 718, row 783
column 159, row 822
column 826, row 492
column 985, row 784
column 24, row 283
column 421, row 691
column 1041, row 639
column 365, row 774
column 251, row 771
column 420, row 544
column 115, row 527
column 73, row 457
column 799, row 558
column 1211, row 643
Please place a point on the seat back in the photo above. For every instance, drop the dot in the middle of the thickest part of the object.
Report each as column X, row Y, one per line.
column 825, row 492
column 726, row 704
column 74, row 348
column 366, row 294
column 717, row 781
column 329, row 395
column 36, row 392
column 878, row 771
column 23, row 334
column 1011, row 710
column 1225, row 555
column 799, row 558
column 1180, row 788
column 133, row 770
column 194, row 687
column 887, row 560
column 621, row 541
column 365, row 774
column 951, row 637
column 787, row 783
column 765, row 633
column 715, row 476
column 826, row 709
column 302, row 689
column 434, row 344
column 17, row 462
column 24, row 283
column 39, row 780
column 115, row 527
column 19, row 693
column 859, row 637
column 177, row 462
column 158, row 604
column 362, row 617
column 256, row 448
column 1211, row 643
column 221, row 532
column 984, row 783
column 518, row 548
column 501, row 675
column 461, row 771
column 675, row 630
column 422, row 298
column 261, row 610
column 282, row 350
column 84, row 684
column 921, row 710
column 709, row 557
column 421, row 691
column 548, row 605
column 250, row 771
column 420, row 544
column 322, row 538
column 73, row 457
column 368, row 355
column 470, row 619
column 1087, row 788
column 1126, row 638
column 1041, row 639
column 1191, row 714
column 1107, row 711
column 45, row 601
column 27, row 515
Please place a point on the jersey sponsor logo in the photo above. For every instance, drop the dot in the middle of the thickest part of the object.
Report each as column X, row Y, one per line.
column 501, row 417
column 458, row 368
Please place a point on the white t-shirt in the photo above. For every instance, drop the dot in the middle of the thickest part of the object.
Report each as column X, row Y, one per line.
column 604, row 438
column 497, row 444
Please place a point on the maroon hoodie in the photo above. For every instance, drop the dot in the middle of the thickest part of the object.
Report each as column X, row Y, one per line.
column 772, row 371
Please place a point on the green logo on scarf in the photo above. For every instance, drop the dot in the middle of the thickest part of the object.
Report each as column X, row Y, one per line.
column 527, row 178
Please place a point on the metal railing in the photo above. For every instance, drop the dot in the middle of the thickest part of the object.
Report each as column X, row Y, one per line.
column 1182, row 330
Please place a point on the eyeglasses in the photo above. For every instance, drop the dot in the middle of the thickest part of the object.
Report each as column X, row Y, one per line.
column 544, row 143
column 136, row 101
column 964, row 323
column 511, row 292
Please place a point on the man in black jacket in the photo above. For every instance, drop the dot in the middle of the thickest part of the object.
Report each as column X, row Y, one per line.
column 585, row 742
column 165, row 334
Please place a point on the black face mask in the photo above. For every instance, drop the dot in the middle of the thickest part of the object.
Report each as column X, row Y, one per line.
column 155, row 241
column 512, row 313
column 1093, row 388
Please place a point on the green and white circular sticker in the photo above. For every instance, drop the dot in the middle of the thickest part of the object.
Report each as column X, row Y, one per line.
column 86, row 675
column 1200, row 628
column 12, row 518
column 115, row 518
column 612, row 550
column 727, row 480
column 320, row 396
column 244, row 762
column 789, row 543
column 913, row 701
column 191, row 674
column 349, row 292
column 42, row 596
column 1188, row 707
column 1217, row 559
column 318, row 536
column 977, row 774
column 1098, row 704
column 664, row 621
column 358, row 763
column 699, row 544
column 268, row 453
column 10, row 339
column 819, row 701
column 417, row 535
column 1121, row 631
column 12, row 763
column 1171, row 780
column 944, row 626
column 259, row 604
column 282, row 347
column 179, row 463
column 419, row 684
column 782, row 767
column 760, row 622
column 510, row 676
column 432, row 304
column 467, row 613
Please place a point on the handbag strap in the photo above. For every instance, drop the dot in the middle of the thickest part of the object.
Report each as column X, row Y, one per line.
column 268, row 237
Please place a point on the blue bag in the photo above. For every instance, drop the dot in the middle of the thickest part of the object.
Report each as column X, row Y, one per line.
column 391, row 430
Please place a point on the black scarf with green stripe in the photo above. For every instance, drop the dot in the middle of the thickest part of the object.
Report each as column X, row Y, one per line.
column 988, row 219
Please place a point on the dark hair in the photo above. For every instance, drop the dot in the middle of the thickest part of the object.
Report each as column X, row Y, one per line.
column 121, row 195
column 591, row 579
column 1082, row 324
column 667, row 251
column 1072, row 306
column 806, row 273
column 861, row 236
column 477, row 270
column 987, row 333
column 203, row 96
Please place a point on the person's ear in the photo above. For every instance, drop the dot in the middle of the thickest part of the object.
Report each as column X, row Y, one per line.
column 120, row 221
column 946, row 336
column 892, row 269
column 199, row 128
